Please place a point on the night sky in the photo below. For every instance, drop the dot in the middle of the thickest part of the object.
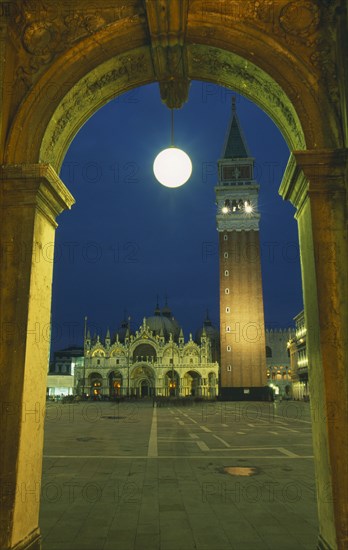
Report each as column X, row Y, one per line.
column 128, row 239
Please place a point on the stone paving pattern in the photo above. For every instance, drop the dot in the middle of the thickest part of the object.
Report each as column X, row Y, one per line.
column 131, row 476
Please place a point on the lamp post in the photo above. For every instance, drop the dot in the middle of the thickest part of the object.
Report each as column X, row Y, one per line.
column 84, row 358
column 128, row 372
column 172, row 384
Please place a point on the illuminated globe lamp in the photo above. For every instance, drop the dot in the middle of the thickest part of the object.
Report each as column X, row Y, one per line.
column 172, row 166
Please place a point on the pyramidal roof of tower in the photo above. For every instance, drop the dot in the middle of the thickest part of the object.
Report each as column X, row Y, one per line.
column 235, row 145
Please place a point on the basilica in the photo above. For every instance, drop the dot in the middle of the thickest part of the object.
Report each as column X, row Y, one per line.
column 155, row 360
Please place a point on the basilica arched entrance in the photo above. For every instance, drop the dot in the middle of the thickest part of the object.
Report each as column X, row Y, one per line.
column 116, row 388
column 172, row 383
column 95, row 385
column 145, row 388
column 142, row 381
column 288, row 57
column 193, row 383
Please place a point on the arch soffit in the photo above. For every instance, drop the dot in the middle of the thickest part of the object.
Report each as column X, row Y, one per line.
column 98, row 352
column 168, row 372
column 95, row 375
column 123, row 73
column 116, row 351
column 191, row 349
column 140, row 342
column 46, row 128
column 116, row 373
column 169, row 348
column 148, row 370
column 195, row 371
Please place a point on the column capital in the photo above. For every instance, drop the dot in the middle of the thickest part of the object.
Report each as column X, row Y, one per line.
column 314, row 171
column 35, row 185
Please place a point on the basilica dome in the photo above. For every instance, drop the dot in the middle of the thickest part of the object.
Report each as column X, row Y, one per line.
column 162, row 323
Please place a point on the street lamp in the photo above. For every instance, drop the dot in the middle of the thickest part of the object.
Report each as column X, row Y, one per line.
column 172, row 384
column 128, row 372
column 84, row 358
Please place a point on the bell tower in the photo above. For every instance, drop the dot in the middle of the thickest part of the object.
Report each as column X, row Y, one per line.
column 242, row 330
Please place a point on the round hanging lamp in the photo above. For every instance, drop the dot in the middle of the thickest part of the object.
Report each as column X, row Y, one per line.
column 172, row 166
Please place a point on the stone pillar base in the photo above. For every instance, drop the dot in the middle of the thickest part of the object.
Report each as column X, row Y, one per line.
column 32, row 542
column 323, row 545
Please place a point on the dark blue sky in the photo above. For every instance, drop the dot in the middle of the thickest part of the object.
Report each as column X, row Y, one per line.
column 128, row 238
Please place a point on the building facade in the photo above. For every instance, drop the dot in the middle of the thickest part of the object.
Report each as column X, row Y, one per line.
column 154, row 361
column 299, row 360
column 242, row 328
column 278, row 366
column 65, row 360
column 61, row 375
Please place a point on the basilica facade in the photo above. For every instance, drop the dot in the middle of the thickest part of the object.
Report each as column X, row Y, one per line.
column 153, row 361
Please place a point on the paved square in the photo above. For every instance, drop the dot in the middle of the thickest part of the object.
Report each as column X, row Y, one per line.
column 131, row 476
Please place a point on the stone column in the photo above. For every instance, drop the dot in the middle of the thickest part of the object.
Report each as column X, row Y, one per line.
column 316, row 183
column 31, row 198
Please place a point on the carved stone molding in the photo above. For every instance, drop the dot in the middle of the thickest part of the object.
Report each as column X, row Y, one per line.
column 245, row 77
column 46, row 30
column 110, row 79
column 36, row 184
column 304, row 29
column 167, row 23
column 314, row 171
column 299, row 18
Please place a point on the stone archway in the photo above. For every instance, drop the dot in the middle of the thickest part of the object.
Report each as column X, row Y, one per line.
column 193, row 383
column 172, row 383
column 288, row 57
column 116, row 388
column 143, row 380
column 95, row 385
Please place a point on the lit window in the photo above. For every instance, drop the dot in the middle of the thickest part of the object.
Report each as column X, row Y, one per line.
column 227, row 273
column 225, row 254
column 227, row 290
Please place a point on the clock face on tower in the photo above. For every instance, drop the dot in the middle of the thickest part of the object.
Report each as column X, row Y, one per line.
column 235, row 173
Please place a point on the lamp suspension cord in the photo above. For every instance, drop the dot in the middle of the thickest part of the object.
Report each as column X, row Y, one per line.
column 172, row 128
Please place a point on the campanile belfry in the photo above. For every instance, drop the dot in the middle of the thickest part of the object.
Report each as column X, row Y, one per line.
column 242, row 332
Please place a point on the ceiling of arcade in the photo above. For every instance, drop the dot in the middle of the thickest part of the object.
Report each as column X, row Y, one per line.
column 64, row 60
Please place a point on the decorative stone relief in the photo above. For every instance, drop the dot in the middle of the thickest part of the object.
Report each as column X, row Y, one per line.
column 90, row 91
column 235, row 10
column 174, row 92
column 299, row 18
column 46, row 32
column 230, row 68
